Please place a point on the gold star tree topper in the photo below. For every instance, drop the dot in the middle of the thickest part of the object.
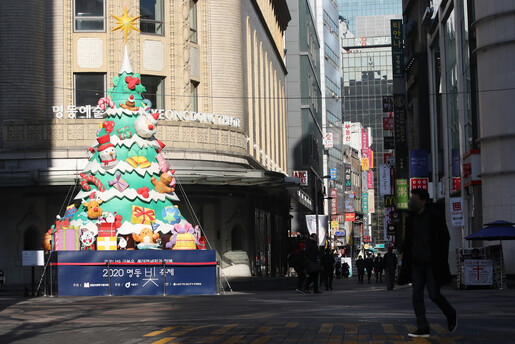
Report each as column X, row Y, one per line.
column 125, row 23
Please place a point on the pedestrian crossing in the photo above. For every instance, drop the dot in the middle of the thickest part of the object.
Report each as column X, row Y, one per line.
column 296, row 332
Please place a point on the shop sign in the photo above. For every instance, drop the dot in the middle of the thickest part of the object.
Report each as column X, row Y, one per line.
column 364, row 202
column 388, row 105
column 348, row 181
column 328, row 140
column 389, row 122
column 384, row 180
column 418, row 162
column 334, row 201
column 457, row 215
column 347, row 134
column 397, row 48
column 371, row 201
column 389, row 142
column 350, row 217
column 419, row 183
column 402, row 193
column 303, row 176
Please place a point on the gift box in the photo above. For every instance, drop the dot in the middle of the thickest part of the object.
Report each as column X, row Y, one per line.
column 106, row 229
column 142, row 215
column 106, row 244
column 67, row 240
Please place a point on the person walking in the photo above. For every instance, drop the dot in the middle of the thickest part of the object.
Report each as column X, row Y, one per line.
column 425, row 263
column 390, row 263
column 314, row 264
column 299, row 264
column 338, row 268
column 369, row 265
column 328, row 264
column 378, row 268
column 360, row 266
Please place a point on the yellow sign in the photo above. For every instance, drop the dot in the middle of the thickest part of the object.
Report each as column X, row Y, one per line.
column 366, row 246
column 364, row 164
column 334, row 224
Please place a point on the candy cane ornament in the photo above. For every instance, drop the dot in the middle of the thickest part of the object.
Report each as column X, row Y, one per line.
column 86, row 179
column 102, row 102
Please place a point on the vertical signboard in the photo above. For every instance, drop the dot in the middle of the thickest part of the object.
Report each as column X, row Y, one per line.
column 401, row 139
column 371, row 201
column 384, row 180
column 418, row 163
column 402, row 193
column 349, row 203
column 419, row 183
column 328, row 140
column 364, row 202
column 387, row 104
column 370, row 179
column 457, row 217
column 348, row 181
column 364, row 138
column 397, row 48
column 347, row 135
column 334, row 201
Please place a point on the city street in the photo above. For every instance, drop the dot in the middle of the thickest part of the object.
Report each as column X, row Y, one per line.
column 351, row 313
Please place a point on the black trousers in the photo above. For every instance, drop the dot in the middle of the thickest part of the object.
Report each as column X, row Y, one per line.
column 422, row 277
column 301, row 275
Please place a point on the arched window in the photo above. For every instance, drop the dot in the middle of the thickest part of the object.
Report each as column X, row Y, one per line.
column 31, row 239
column 237, row 238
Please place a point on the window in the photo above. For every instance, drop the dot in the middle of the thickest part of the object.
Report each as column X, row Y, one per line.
column 151, row 20
column 89, row 15
column 154, row 86
column 194, row 96
column 89, row 88
column 193, row 21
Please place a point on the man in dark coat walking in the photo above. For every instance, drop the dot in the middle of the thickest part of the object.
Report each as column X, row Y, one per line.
column 390, row 263
column 360, row 266
column 313, row 255
column 369, row 265
column 378, row 268
column 425, row 260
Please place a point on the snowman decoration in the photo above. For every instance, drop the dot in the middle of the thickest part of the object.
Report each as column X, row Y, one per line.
column 107, row 152
column 146, row 125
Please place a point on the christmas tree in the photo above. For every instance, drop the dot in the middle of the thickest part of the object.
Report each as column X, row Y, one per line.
column 127, row 195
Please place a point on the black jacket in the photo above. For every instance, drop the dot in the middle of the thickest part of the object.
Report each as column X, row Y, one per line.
column 439, row 245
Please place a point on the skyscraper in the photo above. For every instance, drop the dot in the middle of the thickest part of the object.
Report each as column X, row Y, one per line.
column 367, row 78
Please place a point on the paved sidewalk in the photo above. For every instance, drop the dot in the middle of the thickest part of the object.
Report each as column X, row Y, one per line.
column 351, row 313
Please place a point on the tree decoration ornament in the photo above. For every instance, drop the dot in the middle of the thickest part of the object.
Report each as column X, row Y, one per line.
column 125, row 23
column 86, row 179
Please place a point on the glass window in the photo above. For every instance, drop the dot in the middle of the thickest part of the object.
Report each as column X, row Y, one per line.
column 194, row 96
column 154, row 86
column 89, row 15
column 193, row 21
column 89, row 88
column 151, row 20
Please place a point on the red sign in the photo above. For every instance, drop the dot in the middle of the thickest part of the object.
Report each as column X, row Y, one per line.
column 303, row 176
column 334, row 201
column 350, row 217
column 364, row 138
column 419, row 183
column 388, row 123
column 456, row 184
column 347, row 135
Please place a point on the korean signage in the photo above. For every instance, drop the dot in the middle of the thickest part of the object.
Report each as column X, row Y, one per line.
column 365, row 166
column 389, row 123
column 387, row 104
column 457, row 216
column 384, row 180
column 347, row 134
column 364, row 202
column 328, row 140
column 145, row 272
column 370, row 179
column 303, row 176
column 364, row 138
column 401, row 138
column 350, row 217
column 333, row 173
column 348, row 180
column 349, row 203
column 397, row 48
column 371, row 201
column 389, row 142
column 92, row 111
column 402, row 193
column 419, row 183
column 456, row 184
column 418, row 163
column 334, row 201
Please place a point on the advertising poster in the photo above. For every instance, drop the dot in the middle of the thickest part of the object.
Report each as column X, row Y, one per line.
column 384, row 180
column 145, row 272
column 457, row 216
column 478, row 272
column 419, row 163
column 349, row 203
column 402, row 193
column 323, row 222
